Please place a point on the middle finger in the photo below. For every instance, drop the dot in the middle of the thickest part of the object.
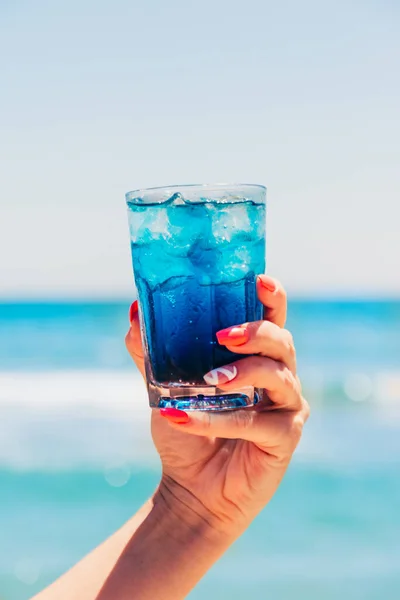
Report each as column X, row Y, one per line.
column 263, row 338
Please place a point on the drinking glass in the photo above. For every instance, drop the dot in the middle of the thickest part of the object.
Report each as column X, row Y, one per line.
column 196, row 252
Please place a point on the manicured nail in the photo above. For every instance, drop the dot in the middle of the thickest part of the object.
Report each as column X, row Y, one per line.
column 267, row 282
column 175, row 416
column 220, row 375
column 133, row 310
column 233, row 336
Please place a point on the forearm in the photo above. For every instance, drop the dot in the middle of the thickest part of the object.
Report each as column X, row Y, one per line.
column 168, row 554
column 162, row 552
column 85, row 579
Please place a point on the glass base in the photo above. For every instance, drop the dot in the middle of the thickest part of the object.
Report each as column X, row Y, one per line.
column 200, row 398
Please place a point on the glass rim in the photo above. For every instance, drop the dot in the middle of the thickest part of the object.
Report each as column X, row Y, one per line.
column 137, row 194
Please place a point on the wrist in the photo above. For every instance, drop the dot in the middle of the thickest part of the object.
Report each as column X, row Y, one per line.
column 177, row 508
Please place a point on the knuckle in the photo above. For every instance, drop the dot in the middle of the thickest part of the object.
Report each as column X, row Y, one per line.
column 296, row 429
column 306, row 410
column 289, row 344
column 288, row 337
column 288, row 379
column 280, row 292
column 291, row 434
column 281, row 297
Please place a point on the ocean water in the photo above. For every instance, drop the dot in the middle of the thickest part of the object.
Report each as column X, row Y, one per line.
column 76, row 459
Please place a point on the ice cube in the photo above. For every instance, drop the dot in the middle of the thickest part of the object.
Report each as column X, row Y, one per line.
column 229, row 221
column 185, row 215
column 186, row 225
column 235, row 263
column 155, row 265
column 135, row 220
column 257, row 216
column 147, row 224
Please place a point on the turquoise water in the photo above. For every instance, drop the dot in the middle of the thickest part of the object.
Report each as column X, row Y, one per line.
column 76, row 459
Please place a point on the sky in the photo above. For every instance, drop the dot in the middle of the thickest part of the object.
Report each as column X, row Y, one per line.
column 100, row 97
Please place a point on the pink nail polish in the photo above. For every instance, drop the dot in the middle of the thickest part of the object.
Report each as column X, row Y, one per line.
column 267, row 282
column 220, row 375
column 233, row 336
column 133, row 310
column 179, row 417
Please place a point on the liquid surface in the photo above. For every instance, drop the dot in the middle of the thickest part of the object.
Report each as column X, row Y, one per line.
column 195, row 267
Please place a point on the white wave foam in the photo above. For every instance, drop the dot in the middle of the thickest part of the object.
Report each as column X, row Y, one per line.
column 101, row 392
column 77, row 418
column 98, row 419
column 113, row 393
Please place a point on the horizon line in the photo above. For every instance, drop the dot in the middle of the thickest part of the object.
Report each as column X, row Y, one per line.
column 104, row 299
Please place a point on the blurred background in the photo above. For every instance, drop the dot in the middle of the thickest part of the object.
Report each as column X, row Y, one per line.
column 100, row 97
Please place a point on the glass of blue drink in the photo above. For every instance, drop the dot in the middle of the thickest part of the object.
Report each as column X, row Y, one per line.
column 196, row 252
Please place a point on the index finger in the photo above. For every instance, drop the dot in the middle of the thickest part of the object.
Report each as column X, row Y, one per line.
column 272, row 295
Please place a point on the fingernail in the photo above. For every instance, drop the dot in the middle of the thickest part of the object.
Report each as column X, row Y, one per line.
column 175, row 416
column 133, row 310
column 267, row 282
column 233, row 336
column 220, row 375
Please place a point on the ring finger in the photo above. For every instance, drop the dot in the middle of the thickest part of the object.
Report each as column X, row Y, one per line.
column 275, row 377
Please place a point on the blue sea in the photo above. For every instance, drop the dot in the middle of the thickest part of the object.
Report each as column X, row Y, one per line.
column 76, row 459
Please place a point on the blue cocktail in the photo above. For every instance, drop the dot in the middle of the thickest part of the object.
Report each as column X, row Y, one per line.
column 196, row 252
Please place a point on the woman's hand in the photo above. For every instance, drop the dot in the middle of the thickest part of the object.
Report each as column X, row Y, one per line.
column 225, row 467
column 219, row 471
